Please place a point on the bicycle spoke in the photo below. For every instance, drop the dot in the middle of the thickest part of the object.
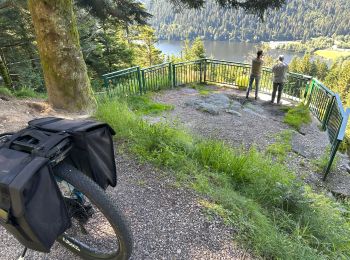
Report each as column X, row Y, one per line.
column 89, row 226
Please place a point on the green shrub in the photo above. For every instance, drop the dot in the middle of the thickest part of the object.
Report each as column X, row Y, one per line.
column 5, row 92
column 297, row 116
column 345, row 145
column 27, row 92
column 282, row 145
column 202, row 89
column 144, row 105
column 322, row 162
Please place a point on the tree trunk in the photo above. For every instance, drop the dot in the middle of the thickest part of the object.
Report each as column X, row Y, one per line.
column 5, row 74
column 67, row 82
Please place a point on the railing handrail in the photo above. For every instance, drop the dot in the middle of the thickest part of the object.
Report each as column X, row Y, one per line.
column 115, row 73
column 323, row 86
column 342, row 130
column 189, row 62
column 229, row 62
column 156, row 66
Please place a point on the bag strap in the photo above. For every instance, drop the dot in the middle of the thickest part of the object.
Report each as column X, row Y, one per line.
column 54, row 139
column 25, row 132
column 44, row 121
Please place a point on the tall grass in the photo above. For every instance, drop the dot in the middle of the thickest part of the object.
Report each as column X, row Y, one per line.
column 297, row 116
column 5, row 92
column 27, row 92
column 23, row 92
column 202, row 89
column 282, row 145
column 144, row 105
column 275, row 215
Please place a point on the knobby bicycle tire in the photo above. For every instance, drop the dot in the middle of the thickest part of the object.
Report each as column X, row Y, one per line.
column 110, row 211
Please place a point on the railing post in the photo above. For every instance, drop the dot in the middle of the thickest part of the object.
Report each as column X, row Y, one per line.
column 200, row 72
column 309, row 97
column 174, row 75
column 140, row 77
column 169, row 74
column 327, row 114
column 335, row 147
column 106, row 85
column 205, row 71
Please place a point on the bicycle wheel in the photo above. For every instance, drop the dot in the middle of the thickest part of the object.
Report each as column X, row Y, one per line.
column 98, row 228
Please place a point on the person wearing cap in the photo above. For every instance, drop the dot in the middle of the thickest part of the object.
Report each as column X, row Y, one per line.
column 255, row 75
column 279, row 78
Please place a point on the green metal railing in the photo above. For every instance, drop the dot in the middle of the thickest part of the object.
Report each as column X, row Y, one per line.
column 188, row 72
column 156, row 77
column 320, row 98
column 237, row 74
column 123, row 82
column 327, row 107
column 324, row 104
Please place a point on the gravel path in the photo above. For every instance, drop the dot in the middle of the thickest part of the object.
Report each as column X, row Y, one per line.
column 167, row 222
column 256, row 123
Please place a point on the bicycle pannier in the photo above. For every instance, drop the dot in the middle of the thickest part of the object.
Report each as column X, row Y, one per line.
column 31, row 205
column 92, row 152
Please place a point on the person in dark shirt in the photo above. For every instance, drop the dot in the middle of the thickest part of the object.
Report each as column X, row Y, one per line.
column 255, row 75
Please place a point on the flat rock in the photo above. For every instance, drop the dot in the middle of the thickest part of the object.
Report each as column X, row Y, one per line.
column 233, row 112
column 211, row 104
column 254, row 107
column 302, row 150
column 253, row 112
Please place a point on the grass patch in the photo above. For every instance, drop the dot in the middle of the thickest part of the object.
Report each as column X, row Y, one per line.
column 275, row 215
column 23, row 92
column 5, row 92
column 282, row 145
column 297, row 116
column 202, row 89
column 332, row 54
column 26, row 92
column 322, row 162
column 145, row 106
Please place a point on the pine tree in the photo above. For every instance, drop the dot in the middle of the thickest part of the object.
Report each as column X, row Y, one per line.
column 197, row 49
column 4, row 74
column 145, row 52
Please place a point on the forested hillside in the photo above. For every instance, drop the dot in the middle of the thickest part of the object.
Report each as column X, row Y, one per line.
column 298, row 20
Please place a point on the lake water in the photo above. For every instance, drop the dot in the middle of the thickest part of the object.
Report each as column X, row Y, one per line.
column 225, row 50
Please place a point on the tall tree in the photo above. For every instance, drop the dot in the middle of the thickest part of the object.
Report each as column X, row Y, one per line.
column 17, row 44
column 65, row 72
column 5, row 74
column 145, row 52
column 198, row 49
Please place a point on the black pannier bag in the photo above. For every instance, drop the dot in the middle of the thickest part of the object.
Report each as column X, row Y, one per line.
column 31, row 205
column 92, row 152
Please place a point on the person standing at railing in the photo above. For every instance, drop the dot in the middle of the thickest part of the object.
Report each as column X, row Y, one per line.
column 279, row 78
column 255, row 75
